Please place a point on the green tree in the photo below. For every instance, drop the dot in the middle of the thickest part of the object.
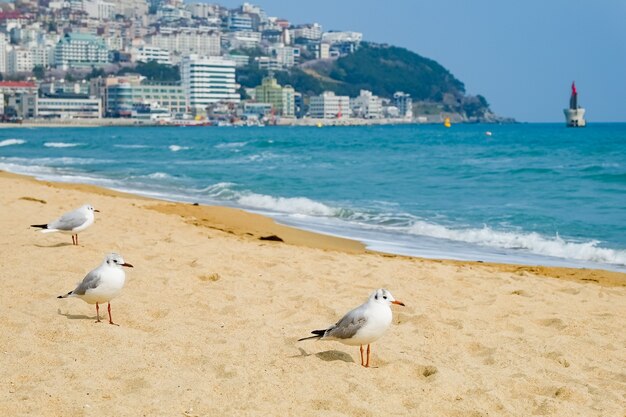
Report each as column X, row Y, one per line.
column 39, row 72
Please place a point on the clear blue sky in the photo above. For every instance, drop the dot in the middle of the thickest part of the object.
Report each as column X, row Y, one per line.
column 522, row 55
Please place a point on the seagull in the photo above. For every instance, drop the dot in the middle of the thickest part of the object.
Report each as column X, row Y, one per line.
column 102, row 284
column 72, row 222
column 363, row 325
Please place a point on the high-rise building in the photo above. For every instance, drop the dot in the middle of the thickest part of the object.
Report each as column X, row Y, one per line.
column 208, row 80
column 404, row 103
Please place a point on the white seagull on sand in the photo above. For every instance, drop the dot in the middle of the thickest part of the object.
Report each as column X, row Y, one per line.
column 72, row 222
column 363, row 325
column 102, row 284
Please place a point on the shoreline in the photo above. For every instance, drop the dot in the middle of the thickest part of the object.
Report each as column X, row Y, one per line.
column 210, row 317
column 243, row 223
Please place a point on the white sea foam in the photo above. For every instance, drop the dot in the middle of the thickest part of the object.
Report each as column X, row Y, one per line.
column 295, row 205
column 123, row 146
column 176, row 148
column 159, row 175
column 231, row 145
column 9, row 142
column 531, row 242
column 61, row 144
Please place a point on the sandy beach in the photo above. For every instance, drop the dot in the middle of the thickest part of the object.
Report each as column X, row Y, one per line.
column 210, row 316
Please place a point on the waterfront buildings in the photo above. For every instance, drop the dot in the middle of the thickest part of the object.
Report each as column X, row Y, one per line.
column 366, row 106
column 282, row 99
column 329, row 106
column 208, row 80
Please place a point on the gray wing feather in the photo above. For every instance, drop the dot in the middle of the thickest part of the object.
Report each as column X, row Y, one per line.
column 347, row 326
column 69, row 221
column 91, row 280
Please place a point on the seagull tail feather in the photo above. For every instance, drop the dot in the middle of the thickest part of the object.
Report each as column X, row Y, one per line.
column 318, row 335
column 66, row 295
column 41, row 226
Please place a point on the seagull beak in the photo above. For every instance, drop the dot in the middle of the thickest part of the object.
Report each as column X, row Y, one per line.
column 130, row 266
column 97, row 211
column 400, row 303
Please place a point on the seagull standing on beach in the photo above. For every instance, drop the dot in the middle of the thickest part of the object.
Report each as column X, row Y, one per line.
column 102, row 284
column 72, row 222
column 363, row 325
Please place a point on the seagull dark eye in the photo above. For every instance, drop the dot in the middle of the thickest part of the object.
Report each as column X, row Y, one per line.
column 385, row 297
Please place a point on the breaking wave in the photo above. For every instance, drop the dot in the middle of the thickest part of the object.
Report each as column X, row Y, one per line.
column 9, row 142
column 61, row 144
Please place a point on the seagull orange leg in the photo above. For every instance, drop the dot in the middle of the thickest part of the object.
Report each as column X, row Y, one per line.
column 73, row 241
column 76, row 239
column 361, row 348
column 367, row 364
column 110, row 319
column 97, row 313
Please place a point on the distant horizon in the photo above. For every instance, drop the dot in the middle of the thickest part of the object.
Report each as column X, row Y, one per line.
column 524, row 74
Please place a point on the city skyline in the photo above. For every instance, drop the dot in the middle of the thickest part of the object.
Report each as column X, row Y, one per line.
column 522, row 57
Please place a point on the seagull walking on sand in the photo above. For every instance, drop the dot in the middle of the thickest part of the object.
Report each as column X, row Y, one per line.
column 73, row 222
column 102, row 284
column 363, row 325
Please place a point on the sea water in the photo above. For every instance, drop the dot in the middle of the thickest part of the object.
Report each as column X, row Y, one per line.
column 523, row 193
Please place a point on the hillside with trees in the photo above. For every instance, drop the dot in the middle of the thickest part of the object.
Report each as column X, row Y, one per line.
column 383, row 70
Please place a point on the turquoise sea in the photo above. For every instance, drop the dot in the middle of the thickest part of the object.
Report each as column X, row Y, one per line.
column 527, row 193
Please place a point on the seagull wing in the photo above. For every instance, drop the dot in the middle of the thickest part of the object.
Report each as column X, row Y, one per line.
column 69, row 221
column 91, row 281
column 349, row 325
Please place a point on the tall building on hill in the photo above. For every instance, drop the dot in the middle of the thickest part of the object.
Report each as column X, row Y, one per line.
column 207, row 81
column 77, row 49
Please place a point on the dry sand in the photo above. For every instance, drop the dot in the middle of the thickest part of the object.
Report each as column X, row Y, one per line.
column 210, row 316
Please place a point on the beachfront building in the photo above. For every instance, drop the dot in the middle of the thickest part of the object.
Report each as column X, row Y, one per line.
column 243, row 40
column 366, row 106
column 329, row 106
column 124, row 97
column 80, row 50
column 186, row 41
column 404, row 103
column 99, row 9
column 208, row 80
column 281, row 98
column 69, row 108
column 4, row 44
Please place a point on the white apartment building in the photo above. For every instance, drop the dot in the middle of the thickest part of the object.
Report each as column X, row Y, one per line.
column 367, row 106
column 42, row 55
column 99, row 9
column 187, row 41
column 19, row 60
column 342, row 37
column 208, row 80
column 3, row 53
column 148, row 53
column 285, row 56
column 311, row 31
column 77, row 49
column 131, row 8
column 244, row 39
column 68, row 108
column 329, row 106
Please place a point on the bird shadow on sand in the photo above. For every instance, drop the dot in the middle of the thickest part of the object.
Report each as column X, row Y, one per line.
column 56, row 245
column 74, row 316
column 327, row 356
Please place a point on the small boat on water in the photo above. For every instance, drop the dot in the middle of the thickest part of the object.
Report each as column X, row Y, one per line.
column 575, row 115
column 446, row 122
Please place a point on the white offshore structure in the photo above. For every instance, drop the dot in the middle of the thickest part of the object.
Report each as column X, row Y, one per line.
column 575, row 115
column 208, row 81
